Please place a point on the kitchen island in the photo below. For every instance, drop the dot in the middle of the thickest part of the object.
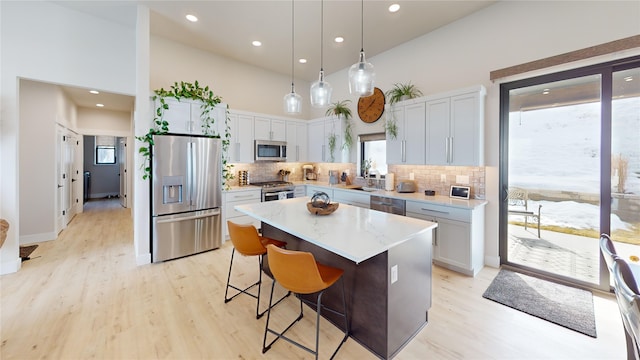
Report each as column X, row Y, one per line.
column 386, row 258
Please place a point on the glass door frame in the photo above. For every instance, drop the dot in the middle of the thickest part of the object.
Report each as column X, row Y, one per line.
column 606, row 71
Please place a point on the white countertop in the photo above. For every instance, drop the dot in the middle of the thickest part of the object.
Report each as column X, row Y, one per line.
column 352, row 232
column 416, row 196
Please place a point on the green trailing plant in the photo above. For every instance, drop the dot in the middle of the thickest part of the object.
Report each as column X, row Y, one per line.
column 391, row 126
column 339, row 109
column 208, row 100
column 401, row 91
column 332, row 145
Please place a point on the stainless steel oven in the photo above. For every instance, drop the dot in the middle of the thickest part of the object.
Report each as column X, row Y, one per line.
column 276, row 190
column 277, row 195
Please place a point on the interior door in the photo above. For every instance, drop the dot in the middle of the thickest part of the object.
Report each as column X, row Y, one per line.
column 68, row 178
column 60, row 179
column 122, row 173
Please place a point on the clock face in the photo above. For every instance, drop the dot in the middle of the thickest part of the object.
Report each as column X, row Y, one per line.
column 370, row 108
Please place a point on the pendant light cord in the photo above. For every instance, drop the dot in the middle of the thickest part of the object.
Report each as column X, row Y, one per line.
column 321, row 35
column 292, row 40
column 362, row 26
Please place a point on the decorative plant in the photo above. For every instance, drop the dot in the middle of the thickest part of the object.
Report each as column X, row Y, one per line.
column 332, row 145
column 366, row 166
column 209, row 100
column 342, row 108
column 391, row 126
column 402, row 91
column 284, row 172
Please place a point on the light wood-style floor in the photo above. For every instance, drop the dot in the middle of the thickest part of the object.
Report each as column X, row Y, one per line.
column 82, row 296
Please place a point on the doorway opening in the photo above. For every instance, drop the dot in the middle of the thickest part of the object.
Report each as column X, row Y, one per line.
column 570, row 170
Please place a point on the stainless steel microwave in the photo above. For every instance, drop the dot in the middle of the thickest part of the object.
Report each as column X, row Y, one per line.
column 266, row 150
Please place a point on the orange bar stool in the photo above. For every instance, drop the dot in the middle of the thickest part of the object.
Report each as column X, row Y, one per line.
column 298, row 272
column 248, row 242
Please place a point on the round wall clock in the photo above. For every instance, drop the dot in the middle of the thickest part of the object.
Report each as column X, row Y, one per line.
column 370, row 108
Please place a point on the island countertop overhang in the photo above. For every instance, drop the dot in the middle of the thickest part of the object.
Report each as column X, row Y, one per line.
column 352, row 232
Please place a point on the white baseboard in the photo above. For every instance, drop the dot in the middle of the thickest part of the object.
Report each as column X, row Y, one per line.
column 37, row 238
column 493, row 261
column 143, row 259
column 11, row 266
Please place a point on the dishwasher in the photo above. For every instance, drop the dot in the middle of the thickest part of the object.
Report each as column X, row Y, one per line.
column 388, row 205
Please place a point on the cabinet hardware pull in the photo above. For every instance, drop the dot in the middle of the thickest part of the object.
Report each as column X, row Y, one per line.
column 437, row 211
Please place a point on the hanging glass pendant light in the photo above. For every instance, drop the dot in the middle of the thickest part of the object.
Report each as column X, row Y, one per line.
column 321, row 90
column 292, row 101
column 361, row 74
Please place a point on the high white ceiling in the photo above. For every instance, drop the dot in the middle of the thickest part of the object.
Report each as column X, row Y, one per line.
column 227, row 27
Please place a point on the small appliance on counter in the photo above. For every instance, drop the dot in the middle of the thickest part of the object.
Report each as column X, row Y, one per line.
column 406, row 186
column 308, row 172
column 388, row 181
column 333, row 177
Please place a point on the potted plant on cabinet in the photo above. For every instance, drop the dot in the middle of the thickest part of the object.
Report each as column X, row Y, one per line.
column 401, row 92
column 341, row 109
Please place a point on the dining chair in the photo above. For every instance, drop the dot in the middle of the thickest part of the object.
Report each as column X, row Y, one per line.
column 298, row 272
column 629, row 305
column 248, row 242
column 608, row 251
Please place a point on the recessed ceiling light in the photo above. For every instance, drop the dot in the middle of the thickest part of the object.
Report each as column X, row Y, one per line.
column 191, row 18
column 302, row 61
column 628, row 78
column 256, row 43
column 394, row 7
column 339, row 39
column 100, row 105
column 94, row 91
column 545, row 91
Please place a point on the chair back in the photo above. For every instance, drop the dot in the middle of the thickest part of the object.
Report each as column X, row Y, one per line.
column 296, row 271
column 628, row 298
column 608, row 251
column 518, row 197
column 245, row 239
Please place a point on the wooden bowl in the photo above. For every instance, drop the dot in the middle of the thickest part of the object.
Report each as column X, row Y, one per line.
column 331, row 207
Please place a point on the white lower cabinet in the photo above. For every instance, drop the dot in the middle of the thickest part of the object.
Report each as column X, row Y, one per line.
column 314, row 189
column 239, row 197
column 299, row 191
column 458, row 243
column 351, row 197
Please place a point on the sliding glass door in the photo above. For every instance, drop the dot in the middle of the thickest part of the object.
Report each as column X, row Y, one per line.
column 570, row 162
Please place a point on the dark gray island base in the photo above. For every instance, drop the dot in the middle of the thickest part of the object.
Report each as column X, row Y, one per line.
column 384, row 315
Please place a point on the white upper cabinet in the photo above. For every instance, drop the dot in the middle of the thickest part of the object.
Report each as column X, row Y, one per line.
column 296, row 141
column 408, row 147
column 455, row 129
column 326, row 140
column 241, row 142
column 184, row 117
column 270, row 129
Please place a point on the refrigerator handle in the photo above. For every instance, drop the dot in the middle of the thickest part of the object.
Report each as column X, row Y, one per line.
column 191, row 171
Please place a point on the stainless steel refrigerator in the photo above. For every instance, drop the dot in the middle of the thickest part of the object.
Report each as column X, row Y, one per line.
column 186, row 175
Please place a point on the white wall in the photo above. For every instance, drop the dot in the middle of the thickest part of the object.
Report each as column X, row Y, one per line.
column 46, row 42
column 508, row 33
column 103, row 122
column 241, row 86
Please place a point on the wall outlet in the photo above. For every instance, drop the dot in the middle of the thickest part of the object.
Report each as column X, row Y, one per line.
column 394, row 273
column 293, row 170
column 462, row 179
column 443, row 178
column 411, row 176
